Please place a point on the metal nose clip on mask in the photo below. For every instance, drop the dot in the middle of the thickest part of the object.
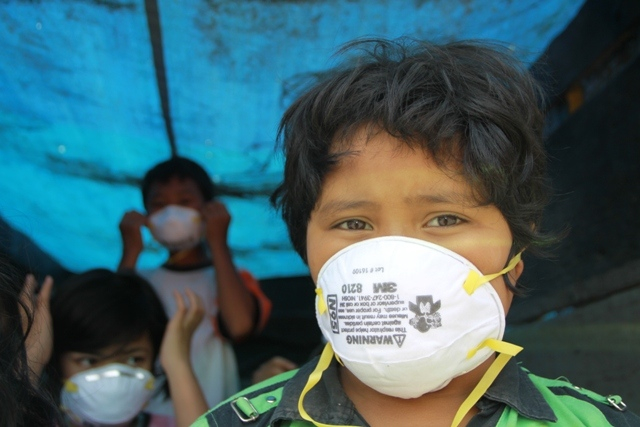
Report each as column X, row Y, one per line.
column 406, row 316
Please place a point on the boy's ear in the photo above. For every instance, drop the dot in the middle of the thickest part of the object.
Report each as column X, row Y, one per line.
column 517, row 271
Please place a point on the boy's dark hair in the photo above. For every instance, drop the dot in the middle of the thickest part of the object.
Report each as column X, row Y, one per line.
column 464, row 101
column 100, row 308
column 23, row 403
column 182, row 168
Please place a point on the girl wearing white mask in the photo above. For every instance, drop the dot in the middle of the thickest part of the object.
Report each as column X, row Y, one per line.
column 112, row 346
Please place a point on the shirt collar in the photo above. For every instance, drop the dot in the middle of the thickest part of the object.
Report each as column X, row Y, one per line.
column 512, row 387
column 328, row 393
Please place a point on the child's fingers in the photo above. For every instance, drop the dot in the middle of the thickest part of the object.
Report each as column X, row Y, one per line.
column 181, row 309
column 44, row 296
column 196, row 307
column 29, row 290
column 26, row 300
column 41, row 311
column 30, row 282
column 195, row 302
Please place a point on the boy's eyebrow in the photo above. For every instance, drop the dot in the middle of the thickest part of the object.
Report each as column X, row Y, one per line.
column 81, row 354
column 450, row 197
column 120, row 351
column 336, row 206
column 153, row 195
column 133, row 349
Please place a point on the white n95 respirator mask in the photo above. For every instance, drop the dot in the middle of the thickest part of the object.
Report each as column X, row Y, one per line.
column 176, row 227
column 406, row 316
column 106, row 396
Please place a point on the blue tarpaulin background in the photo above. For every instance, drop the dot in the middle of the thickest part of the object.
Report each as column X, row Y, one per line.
column 81, row 121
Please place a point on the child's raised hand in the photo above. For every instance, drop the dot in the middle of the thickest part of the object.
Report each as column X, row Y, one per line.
column 217, row 220
column 39, row 340
column 176, row 343
column 130, row 230
column 188, row 400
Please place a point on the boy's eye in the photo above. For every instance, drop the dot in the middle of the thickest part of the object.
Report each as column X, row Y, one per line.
column 87, row 362
column 444, row 221
column 135, row 360
column 354, row 224
column 155, row 205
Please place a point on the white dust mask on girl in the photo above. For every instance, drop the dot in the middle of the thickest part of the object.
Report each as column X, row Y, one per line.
column 407, row 316
column 176, row 227
column 106, row 396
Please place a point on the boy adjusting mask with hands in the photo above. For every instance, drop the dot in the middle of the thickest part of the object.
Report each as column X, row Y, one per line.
column 413, row 181
column 183, row 216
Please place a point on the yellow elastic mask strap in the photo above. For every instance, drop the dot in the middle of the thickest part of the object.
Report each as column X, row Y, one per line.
column 475, row 280
column 322, row 306
column 70, row 386
column 314, row 378
column 507, row 351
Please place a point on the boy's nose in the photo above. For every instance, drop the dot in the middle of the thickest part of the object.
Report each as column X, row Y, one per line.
column 399, row 230
column 110, row 360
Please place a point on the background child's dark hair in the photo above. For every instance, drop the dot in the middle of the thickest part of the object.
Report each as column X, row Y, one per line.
column 469, row 102
column 182, row 168
column 101, row 308
column 22, row 403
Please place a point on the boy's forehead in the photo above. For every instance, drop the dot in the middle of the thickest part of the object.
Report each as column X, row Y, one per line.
column 174, row 184
column 142, row 343
column 447, row 162
column 351, row 139
column 448, row 159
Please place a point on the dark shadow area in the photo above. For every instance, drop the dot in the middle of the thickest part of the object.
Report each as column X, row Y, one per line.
column 581, row 317
column 592, row 71
column 292, row 331
column 26, row 256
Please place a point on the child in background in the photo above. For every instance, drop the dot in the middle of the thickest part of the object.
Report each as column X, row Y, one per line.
column 183, row 215
column 24, row 333
column 109, row 330
column 414, row 179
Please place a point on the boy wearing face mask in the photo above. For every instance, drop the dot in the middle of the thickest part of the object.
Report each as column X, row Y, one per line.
column 183, row 216
column 414, row 179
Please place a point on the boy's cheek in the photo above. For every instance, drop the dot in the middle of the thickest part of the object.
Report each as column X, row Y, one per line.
column 320, row 247
column 504, row 293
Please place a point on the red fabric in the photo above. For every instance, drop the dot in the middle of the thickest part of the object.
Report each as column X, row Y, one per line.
column 264, row 303
column 263, row 306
